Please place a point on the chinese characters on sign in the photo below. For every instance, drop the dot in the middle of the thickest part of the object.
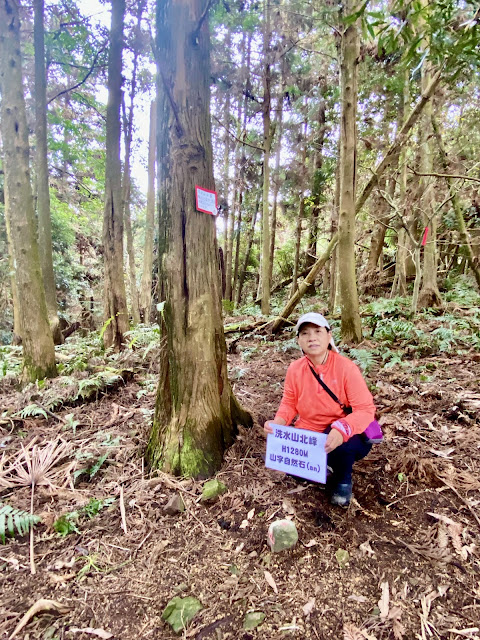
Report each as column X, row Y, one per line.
column 297, row 451
column 206, row 200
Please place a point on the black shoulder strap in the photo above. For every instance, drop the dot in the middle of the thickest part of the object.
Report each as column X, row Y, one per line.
column 328, row 390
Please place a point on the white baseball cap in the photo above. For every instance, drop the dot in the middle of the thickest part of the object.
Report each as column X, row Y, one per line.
column 311, row 318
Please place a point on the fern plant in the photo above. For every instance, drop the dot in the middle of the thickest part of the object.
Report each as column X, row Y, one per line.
column 12, row 519
column 364, row 358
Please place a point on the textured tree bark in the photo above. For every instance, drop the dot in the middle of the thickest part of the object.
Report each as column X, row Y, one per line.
column 41, row 169
column 351, row 326
column 37, row 339
column 196, row 413
column 115, row 302
column 146, row 286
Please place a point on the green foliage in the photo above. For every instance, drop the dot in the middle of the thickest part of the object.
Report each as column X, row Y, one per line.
column 67, row 523
column 32, row 411
column 461, row 289
column 90, row 471
column 365, row 358
column 395, row 330
column 15, row 520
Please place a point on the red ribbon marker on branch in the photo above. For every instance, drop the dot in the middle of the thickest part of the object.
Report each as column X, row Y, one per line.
column 425, row 236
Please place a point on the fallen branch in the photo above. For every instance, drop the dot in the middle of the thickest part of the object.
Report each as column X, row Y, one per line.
column 310, row 279
column 39, row 607
column 285, row 282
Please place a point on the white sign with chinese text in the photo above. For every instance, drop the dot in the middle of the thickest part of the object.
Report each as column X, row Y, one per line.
column 299, row 452
column 206, row 200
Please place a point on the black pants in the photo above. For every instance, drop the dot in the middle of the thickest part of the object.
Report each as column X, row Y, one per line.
column 342, row 458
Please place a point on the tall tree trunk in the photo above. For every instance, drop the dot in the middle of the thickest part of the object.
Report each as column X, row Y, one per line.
column 318, row 179
column 399, row 286
column 267, row 144
column 248, row 249
column 298, row 240
column 41, row 169
column 230, row 204
column 351, row 327
column 115, row 302
column 127, row 180
column 145, row 302
column 332, row 297
column 195, row 413
column 276, row 179
column 38, row 347
column 301, row 199
column 429, row 294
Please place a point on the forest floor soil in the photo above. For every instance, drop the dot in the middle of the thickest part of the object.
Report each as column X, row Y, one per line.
column 412, row 532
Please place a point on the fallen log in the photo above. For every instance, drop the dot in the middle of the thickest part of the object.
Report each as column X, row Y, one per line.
column 241, row 327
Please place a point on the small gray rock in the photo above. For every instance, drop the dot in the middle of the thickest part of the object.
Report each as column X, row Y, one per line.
column 174, row 505
column 282, row 534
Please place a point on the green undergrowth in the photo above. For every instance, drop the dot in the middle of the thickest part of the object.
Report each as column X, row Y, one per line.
column 14, row 521
column 69, row 522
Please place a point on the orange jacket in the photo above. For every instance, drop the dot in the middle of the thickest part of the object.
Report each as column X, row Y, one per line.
column 316, row 410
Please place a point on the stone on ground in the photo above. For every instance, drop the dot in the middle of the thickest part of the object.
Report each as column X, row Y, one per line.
column 282, row 534
column 174, row 505
column 212, row 489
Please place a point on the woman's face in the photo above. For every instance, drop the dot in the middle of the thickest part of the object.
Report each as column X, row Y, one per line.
column 313, row 340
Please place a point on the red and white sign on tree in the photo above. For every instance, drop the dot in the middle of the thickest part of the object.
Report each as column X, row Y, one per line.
column 206, row 200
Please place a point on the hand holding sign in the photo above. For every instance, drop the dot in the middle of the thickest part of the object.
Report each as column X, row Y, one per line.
column 297, row 451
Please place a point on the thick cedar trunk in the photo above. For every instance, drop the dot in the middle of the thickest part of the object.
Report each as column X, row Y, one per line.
column 38, row 348
column 145, row 302
column 267, row 143
column 41, row 168
column 115, row 303
column 196, row 413
column 351, row 325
